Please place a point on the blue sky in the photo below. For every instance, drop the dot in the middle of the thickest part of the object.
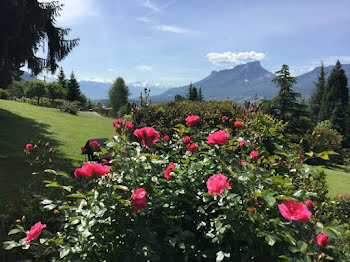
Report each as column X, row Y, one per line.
column 179, row 41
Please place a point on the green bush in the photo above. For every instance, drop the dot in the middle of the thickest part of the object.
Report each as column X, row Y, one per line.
column 93, row 218
column 4, row 94
column 69, row 107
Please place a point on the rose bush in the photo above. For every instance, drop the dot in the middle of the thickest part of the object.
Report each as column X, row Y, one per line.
column 223, row 202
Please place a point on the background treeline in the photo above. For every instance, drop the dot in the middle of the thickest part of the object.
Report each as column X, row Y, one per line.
column 320, row 123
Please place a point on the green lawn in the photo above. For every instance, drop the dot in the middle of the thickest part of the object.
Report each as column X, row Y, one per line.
column 20, row 123
column 338, row 180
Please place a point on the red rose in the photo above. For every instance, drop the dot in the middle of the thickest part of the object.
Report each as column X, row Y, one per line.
column 34, row 232
column 191, row 120
column 309, row 203
column 241, row 161
column 139, row 200
column 187, row 140
column 168, row 170
column 118, row 123
column 89, row 170
column 219, row 137
column 192, row 147
column 322, row 240
column 95, row 144
column 148, row 135
column 294, row 211
column 129, row 125
column 217, row 183
column 224, row 118
column 166, row 138
column 238, row 124
column 242, row 142
column 126, row 153
column 83, row 149
column 251, row 108
column 29, row 146
column 253, row 154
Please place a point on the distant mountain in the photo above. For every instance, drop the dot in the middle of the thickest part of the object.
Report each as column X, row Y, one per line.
column 305, row 83
column 99, row 90
column 27, row 77
column 238, row 84
column 245, row 82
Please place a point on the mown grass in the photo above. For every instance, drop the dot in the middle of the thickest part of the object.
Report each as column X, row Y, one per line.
column 338, row 180
column 22, row 123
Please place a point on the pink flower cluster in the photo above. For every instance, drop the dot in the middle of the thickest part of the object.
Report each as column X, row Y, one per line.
column 148, row 135
column 218, row 138
column 89, row 170
column 217, row 183
column 190, row 120
column 139, row 199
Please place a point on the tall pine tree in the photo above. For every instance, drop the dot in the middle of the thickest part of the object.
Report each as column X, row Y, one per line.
column 335, row 102
column 73, row 89
column 190, row 92
column 286, row 106
column 200, row 96
column 317, row 94
column 61, row 81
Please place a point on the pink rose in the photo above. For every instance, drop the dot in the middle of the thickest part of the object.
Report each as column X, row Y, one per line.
column 168, row 170
column 89, row 170
column 340, row 196
column 187, row 140
column 238, row 124
column 139, row 200
column 253, row 154
column 95, row 144
column 192, row 147
column 217, row 183
column 56, row 212
column 148, row 135
column 118, row 123
column 34, row 232
column 309, row 203
column 29, row 146
column 322, row 240
column 242, row 142
column 166, row 138
column 294, row 211
column 241, row 161
column 224, row 118
column 219, row 137
column 191, row 120
column 129, row 125
column 251, row 108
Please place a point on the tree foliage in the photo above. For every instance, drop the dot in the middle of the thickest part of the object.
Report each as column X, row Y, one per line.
column 73, row 89
column 30, row 25
column 317, row 94
column 118, row 94
column 36, row 89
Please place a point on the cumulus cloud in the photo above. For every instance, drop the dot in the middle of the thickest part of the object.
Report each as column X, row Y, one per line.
column 145, row 68
column 230, row 59
column 74, row 11
column 172, row 29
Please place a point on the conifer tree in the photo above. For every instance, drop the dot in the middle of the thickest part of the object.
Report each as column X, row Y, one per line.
column 317, row 94
column 286, row 106
column 190, row 92
column 194, row 96
column 200, row 96
column 62, row 82
column 336, row 91
column 73, row 89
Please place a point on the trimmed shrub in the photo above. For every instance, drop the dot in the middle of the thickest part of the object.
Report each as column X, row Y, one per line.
column 69, row 107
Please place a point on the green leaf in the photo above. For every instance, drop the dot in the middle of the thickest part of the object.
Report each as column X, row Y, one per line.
column 46, row 201
column 10, row 244
column 269, row 198
column 271, row 240
column 64, row 207
column 77, row 195
column 14, row 231
column 124, row 188
column 302, row 246
column 286, row 258
column 221, row 255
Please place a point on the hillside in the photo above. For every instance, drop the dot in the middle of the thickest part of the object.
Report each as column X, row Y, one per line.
column 245, row 82
column 21, row 123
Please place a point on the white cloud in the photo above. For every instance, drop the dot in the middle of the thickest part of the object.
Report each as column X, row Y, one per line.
column 98, row 79
column 151, row 6
column 331, row 60
column 230, row 59
column 74, row 11
column 145, row 68
column 172, row 29
column 143, row 19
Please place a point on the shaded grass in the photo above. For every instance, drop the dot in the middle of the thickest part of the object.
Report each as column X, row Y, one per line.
column 338, row 180
column 22, row 123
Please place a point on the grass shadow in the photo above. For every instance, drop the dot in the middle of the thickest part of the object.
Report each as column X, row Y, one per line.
column 15, row 133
